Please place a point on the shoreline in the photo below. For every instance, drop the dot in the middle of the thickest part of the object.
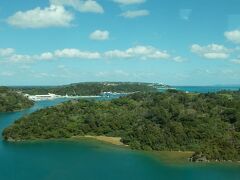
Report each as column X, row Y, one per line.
column 107, row 139
column 168, row 157
column 65, row 97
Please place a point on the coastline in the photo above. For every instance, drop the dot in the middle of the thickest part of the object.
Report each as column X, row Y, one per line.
column 111, row 140
column 32, row 97
column 173, row 158
column 181, row 159
column 106, row 139
column 168, row 157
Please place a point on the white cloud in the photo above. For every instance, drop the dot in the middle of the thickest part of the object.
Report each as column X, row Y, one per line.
column 142, row 52
column 213, row 55
column 45, row 56
column 20, row 58
column 55, row 16
column 212, row 51
column 134, row 14
column 64, row 53
column 233, row 36
column 179, row 59
column 129, row 2
column 6, row 52
column 99, row 35
column 80, row 5
column 76, row 53
column 136, row 52
column 185, row 14
column 118, row 73
column 117, row 54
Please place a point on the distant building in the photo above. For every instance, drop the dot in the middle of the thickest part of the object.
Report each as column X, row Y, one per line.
column 49, row 96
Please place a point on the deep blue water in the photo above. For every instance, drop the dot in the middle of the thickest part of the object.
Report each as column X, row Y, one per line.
column 90, row 160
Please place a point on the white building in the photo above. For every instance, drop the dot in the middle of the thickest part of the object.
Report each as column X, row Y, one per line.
column 49, row 96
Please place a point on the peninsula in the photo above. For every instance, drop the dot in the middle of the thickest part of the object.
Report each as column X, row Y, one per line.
column 92, row 88
column 207, row 124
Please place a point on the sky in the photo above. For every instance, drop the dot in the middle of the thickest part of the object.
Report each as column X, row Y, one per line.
column 176, row 42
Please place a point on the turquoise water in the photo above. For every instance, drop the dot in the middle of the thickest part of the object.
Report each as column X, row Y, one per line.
column 89, row 160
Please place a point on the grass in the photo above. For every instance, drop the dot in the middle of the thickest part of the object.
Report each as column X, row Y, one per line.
column 111, row 140
column 172, row 157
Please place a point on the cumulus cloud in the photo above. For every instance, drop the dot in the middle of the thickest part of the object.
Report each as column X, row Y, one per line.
column 179, row 59
column 29, row 58
column 9, row 54
column 135, row 14
column 55, row 16
column 233, row 36
column 76, row 53
column 136, row 52
column 80, row 5
column 129, row 2
column 63, row 53
column 6, row 52
column 20, row 58
column 117, row 54
column 99, row 35
column 142, row 52
column 115, row 73
column 45, row 56
column 212, row 51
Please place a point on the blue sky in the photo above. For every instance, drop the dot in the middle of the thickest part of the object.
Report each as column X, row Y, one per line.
column 53, row 42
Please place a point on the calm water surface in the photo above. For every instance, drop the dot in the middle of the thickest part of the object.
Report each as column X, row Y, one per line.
column 89, row 160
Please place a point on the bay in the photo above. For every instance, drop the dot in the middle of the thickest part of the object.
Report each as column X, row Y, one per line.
column 92, row 160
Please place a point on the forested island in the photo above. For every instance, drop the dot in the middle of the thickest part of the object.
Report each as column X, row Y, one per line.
column 208, row 124
column 92, row 88
column 11, row 101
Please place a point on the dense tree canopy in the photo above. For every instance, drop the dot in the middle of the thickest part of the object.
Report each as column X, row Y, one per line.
column 12, row 101
column 92, row 88
column 208, row 124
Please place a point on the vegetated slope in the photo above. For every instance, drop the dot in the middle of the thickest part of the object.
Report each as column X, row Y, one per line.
column 91, row 88
column 208, row 124
column 12, row 101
